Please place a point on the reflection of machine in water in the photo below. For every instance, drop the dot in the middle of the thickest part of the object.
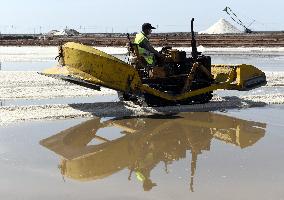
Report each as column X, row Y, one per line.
column 145, row 142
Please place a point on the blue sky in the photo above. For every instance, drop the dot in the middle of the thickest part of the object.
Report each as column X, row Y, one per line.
column 128, row 15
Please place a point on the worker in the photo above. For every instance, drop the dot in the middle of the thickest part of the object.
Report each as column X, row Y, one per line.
column 145, row 49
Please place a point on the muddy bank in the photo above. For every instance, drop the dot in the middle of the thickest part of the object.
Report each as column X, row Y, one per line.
column 264, row 39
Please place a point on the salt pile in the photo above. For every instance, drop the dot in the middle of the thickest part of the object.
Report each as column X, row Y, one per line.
column 68, row 32
column 221, row 27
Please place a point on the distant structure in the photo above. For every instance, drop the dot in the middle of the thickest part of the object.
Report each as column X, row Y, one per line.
column 221, row 27
column 52, row 32
column 235, row 18
column 64, row 32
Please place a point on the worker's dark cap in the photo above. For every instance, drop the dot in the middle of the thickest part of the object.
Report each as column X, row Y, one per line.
column 147, row 26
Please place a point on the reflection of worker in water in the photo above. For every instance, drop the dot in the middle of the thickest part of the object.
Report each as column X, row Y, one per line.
column 144, row 177
column 144, row 163
column 145, row 49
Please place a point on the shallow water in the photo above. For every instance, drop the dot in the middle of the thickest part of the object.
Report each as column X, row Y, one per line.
column 27, row 65
column 234, row 154
column 189, row 155
column 40, row 58
column 263, row 62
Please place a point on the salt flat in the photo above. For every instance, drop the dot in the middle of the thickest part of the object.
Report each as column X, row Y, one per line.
column 232, row 147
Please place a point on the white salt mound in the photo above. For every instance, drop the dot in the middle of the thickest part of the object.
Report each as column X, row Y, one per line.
column 221, row 27
column 68, row 32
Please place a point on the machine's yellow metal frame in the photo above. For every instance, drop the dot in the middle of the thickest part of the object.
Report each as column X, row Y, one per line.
column 89, row 64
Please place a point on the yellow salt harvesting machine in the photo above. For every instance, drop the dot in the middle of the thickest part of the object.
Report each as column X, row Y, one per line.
column 176, row 79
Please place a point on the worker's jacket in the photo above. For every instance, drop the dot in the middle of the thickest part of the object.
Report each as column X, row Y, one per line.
column 149, row 57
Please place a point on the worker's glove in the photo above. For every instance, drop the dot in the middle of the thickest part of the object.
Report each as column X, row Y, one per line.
column 165, row 49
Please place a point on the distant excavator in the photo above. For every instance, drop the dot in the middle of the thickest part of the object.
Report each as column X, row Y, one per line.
column 235, row 18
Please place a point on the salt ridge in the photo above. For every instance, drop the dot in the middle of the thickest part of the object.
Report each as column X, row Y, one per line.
column 31, row 85
column 11, row 114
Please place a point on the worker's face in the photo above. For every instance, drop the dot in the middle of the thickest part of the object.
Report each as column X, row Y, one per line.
column 148, row 31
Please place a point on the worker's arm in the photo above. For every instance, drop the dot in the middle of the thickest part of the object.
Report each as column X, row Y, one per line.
column 146, row 45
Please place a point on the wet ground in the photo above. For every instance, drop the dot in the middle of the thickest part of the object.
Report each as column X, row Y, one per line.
column 233, row 155
column 227, row 154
